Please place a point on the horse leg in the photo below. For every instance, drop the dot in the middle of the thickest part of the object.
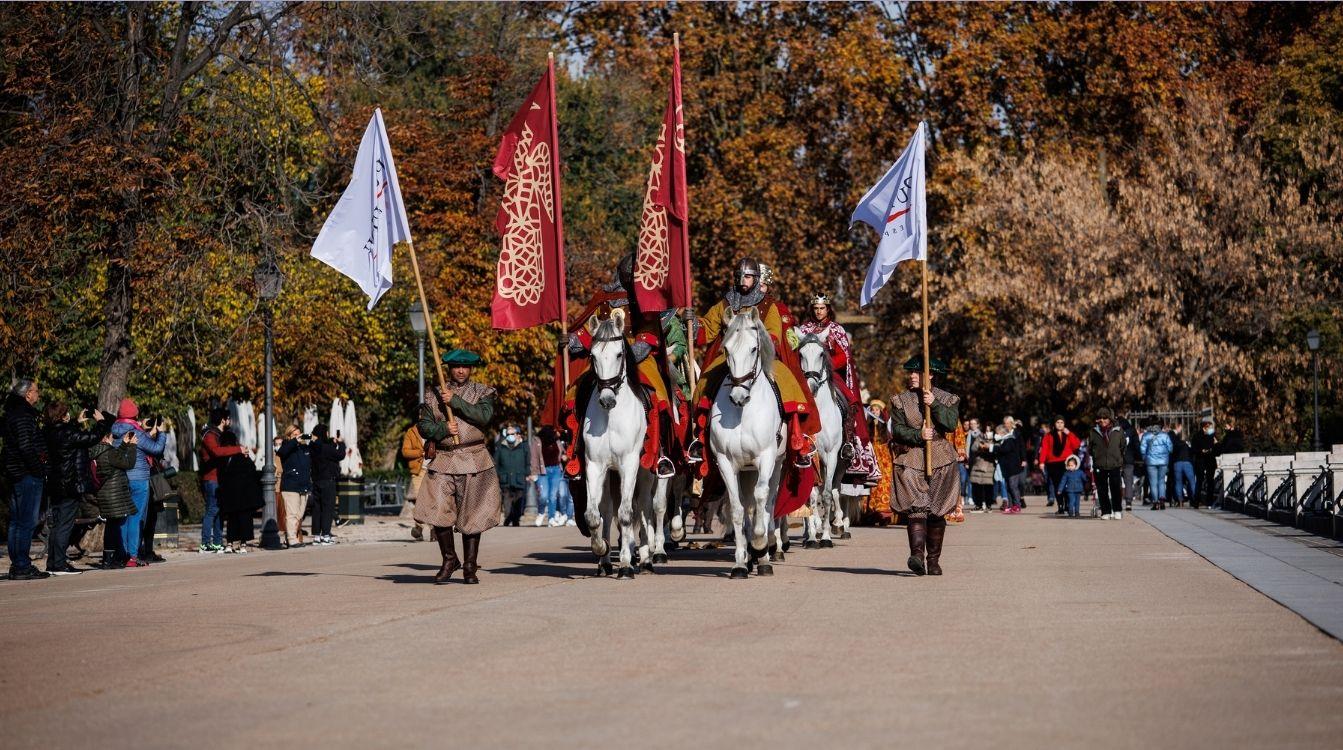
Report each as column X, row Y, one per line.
column 629, row 468
column 659, row 514
column 762, row 509
column 596, row 489
column 736, row 514
column 827, row 520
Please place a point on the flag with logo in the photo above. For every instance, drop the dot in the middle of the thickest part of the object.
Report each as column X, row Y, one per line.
column 369, row 219
column 662, row 262
column 529, row 282
column 896, row 207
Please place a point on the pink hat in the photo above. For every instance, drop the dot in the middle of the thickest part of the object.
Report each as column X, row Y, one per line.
column 127, row 409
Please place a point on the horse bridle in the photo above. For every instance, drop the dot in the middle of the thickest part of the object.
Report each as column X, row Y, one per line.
column 613, row 383
column 815, row 374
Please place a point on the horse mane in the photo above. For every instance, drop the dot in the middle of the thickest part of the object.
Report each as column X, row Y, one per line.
column 614, row 327
column 767, row 354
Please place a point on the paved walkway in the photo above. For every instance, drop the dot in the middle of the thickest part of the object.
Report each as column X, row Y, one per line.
column 1044, row 632
column 1306, row 580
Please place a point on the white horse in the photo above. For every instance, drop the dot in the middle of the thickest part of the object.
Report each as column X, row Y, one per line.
column 747, row 436
column 825, row 500
column 613, row 430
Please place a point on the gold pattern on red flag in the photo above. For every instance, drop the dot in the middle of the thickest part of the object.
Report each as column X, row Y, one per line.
column 662, row 261
column 529, row 284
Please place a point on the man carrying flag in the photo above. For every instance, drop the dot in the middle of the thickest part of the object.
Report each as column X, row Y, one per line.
column 925, row 483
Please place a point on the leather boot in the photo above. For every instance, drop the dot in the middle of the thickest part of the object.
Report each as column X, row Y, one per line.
column 447, row 544
column 470, row 548
column 937, row 529
column 918, row 534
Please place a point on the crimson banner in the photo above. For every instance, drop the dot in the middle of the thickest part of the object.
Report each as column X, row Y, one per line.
column 662, row 264
column 529, row 285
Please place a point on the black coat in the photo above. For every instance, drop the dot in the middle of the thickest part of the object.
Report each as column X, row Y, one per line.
column 25, row 452
column 326, row 456
column 239, row 485
column 1010, row 456
column 1232, row 442
column 1205, row 449
column 1180, row 450
column 296, row 460
column 68, row 457
column 1133, row 454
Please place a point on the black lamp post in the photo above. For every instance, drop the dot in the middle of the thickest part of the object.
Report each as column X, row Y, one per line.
column 417, row 325
column 1313, row 342
column 269, row 282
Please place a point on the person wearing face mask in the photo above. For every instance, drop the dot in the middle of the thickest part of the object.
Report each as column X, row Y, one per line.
column 512, row 462
column 1204, row 446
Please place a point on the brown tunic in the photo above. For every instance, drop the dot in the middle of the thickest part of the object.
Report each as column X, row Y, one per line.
column 913, row 492
column 459, row 486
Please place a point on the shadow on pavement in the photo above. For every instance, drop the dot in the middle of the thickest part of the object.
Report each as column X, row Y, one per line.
column 414, row 566
column 273, row 573
column 869, row 572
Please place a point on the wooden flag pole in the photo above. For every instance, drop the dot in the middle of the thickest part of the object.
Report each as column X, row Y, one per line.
column 429, row 326
column 691, row 376
column 559, row 219
column 926, row 383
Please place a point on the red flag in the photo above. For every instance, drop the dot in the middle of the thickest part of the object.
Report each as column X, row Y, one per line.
column 529, row 285
column 662, row 265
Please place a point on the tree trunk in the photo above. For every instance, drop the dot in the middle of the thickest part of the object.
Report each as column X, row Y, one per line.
column 118, row 356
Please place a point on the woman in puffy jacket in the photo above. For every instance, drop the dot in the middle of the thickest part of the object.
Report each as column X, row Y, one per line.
column 1156, row 450
column 110, row 464
column 68, row 477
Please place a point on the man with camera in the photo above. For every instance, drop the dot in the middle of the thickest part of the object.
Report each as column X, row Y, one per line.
column 325, row 453
column 295, row 454
column 68, row 480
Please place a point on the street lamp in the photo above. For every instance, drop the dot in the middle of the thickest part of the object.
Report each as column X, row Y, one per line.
column 269, row 282
column 417, row 325
column 1313, row 342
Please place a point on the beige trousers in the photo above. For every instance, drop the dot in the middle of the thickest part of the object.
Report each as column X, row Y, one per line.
column 294, row 505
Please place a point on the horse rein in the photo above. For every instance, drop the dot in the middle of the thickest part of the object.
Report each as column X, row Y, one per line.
column 613, row 384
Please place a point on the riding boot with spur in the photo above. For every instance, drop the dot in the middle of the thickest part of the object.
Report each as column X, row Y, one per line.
column 937, row 529
column 918, row 534
column 470, row 548
column 447, row 545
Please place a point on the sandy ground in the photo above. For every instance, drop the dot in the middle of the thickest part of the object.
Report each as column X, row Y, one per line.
column 1043, row 632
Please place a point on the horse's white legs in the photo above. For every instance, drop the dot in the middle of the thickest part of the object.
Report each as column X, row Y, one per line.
column 736, row 515
column 761, row 504
column 629, row 468
column 596, row 489
column 658, row 539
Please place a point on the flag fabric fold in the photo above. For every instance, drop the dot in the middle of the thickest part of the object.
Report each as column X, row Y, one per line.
column 662, row 262
column 529, row 282
column 369, row 219
column 897, row 208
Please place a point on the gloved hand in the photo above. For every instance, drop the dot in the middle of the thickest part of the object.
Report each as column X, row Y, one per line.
column 576, row 344
column 641, row 350
column 792, row 338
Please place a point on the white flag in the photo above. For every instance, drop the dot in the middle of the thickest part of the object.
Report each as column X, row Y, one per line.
column 896, row 207
column 370, row 218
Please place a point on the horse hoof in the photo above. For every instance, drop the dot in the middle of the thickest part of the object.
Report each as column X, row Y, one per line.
column 661, row 559
column 765, row 569
column 787, row 546
column 625, row 574
column 604, row 568
column 827, row 544
column 809, row 544
column 678, row 535
column 739, row 573
column 846, row 535
column 778, row 557
column 646, row 567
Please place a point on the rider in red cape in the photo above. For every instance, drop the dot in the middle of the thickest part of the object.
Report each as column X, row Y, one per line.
column 857, row 450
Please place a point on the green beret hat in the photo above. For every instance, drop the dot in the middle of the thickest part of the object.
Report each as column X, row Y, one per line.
column 462, row 358
column 935, row 365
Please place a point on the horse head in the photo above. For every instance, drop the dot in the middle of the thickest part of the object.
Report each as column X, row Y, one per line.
column 815, row 360
column 749, row 352
column 608, row 357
